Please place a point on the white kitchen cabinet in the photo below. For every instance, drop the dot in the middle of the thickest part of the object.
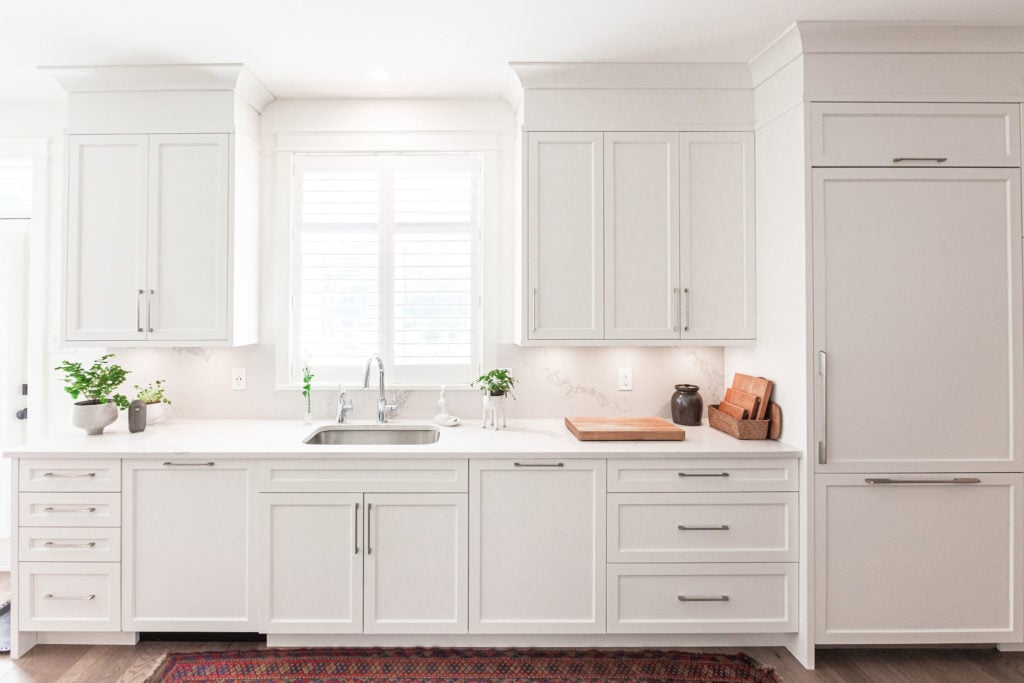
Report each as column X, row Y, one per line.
column 151, row 242
column 537, row 546
column 416, row 563
column 914, row 558
column 917, row 320
column 565, row 236
column 188, row 557
column 312, row 562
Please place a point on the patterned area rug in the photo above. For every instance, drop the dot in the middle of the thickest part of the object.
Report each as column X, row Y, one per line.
column 436, row 665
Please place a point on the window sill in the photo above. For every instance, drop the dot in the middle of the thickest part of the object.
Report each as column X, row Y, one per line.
column 373, row 387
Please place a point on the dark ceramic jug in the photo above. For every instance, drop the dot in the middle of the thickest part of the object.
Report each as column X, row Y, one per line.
column 687, row 405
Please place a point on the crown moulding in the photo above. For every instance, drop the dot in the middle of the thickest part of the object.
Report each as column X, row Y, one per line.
column 632, row 75
column 163, row 77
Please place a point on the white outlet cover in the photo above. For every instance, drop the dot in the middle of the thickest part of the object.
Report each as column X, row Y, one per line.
column 625, row 379
column 238, row 379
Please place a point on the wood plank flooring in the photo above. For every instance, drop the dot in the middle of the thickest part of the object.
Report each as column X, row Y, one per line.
column 108, row 664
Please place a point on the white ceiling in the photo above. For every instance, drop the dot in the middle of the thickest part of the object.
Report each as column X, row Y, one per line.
column 438, row 48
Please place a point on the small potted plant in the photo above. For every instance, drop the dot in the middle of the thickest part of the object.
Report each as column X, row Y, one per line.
column 153, row 396
column 496, row 385
column 307, row 393
column 96, row 384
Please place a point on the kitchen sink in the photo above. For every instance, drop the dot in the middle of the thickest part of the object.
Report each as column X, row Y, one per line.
column 373, row 435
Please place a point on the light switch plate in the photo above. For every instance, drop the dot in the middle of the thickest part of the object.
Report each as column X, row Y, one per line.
column 625, row 379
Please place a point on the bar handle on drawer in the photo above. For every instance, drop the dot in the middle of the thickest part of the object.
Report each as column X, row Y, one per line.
column 50, row 508
column 51, row 596
column 953, row 480
column 171, row 463
column 51, row 544
column 721, row 527
column 539, row 464
column 938, row 160
column 68, row 475
column 703, row 598
column 703, row 474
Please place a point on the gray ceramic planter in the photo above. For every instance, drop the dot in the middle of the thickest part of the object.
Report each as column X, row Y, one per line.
column 93, row 417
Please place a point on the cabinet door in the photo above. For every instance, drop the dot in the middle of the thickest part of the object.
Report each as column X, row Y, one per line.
column 187, row 553
column 565, row 236
column 187, row 290
column 106, row 237
column 641, row 236
column 312, row 566
column 416, row 563
column 918, row 562
column 917, row 319
column 537, row 544
column 716, row 180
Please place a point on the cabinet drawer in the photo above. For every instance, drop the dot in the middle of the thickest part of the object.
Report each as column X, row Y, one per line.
column 69, row 474
column 69, row 509
column 369, row 476
column 684, row 475
column 876, row 134
column 84, row 596
column 702, row 527
column 69, row 544
column 702, row 598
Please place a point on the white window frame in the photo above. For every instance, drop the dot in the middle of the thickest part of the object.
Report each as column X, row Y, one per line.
column 281, row 151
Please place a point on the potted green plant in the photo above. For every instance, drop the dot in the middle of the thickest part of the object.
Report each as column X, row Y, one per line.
column 153, row 396
column 496, row 385
column 307, row 393
column 96, row 385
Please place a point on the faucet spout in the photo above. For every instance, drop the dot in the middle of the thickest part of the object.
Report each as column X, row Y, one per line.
column 382, row 405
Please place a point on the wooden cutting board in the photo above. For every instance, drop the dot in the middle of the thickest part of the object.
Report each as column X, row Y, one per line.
column 757, row 386
column 624, row 429
column 732, row 411
column 742, row 399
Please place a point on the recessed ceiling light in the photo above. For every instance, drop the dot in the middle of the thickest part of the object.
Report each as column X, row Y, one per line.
column 378, row 75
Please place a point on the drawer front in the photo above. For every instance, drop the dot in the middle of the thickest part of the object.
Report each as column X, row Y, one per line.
column 69, row 509
column 369, row 476
column 697, row 475
column 69, row 474
column 876, row 134
column 84, row 596
column 702, row 527
column 702, row 598
column 69, row 544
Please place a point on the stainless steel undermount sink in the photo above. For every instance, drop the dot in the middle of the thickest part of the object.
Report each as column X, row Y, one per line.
column 373, row 435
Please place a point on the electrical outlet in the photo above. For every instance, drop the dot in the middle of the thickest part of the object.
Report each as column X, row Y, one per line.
column 625, row 379
column 238, row 379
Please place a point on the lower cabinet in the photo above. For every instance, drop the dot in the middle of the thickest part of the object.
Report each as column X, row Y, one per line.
column 906, row 559
column 537, row 541
column 69, row 596
column 355, row 563
column 188, row 531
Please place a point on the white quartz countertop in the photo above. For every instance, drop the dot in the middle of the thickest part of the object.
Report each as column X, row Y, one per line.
column 267, row 438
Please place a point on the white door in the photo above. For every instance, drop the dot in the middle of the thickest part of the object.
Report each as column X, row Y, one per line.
column 917, row 319
column 106, row 237
column 716, row 217
column 641, row 236
column 565, row 236
column 13, row 362
column 537, row 546
column 902, row 560
column 186, row 293
column 187, row 549
column 416, row 563
column 312, row 566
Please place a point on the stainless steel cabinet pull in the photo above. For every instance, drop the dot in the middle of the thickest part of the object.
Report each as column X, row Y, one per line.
column 703, row 598
column 937, row 160
column 723, row 527
column 703, row 474
column 51, row 544
column 355, row 532
column 138, row 310
column 69, row 474
column 675, row 309
column 954, row 480
column 149, row 309
column 170, row 463
column 55, row 509
column 823, row 443
column 534, row 311
column 539, row 464
column 51, row 596
column 686, row 309
column 369, row 519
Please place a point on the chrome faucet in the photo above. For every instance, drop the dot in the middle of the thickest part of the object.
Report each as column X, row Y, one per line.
column 382, row 405
column 343, row 407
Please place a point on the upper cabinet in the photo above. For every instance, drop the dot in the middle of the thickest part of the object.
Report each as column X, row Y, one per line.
column 162, row 227
column 639, row 238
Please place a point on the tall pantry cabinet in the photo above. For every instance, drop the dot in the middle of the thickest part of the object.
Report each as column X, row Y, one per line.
column 917, row 246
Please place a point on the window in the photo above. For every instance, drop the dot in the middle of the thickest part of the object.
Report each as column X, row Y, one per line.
column 15, row 188
column 384, row 256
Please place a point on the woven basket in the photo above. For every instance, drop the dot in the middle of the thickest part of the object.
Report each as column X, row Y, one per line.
column 748, row 430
